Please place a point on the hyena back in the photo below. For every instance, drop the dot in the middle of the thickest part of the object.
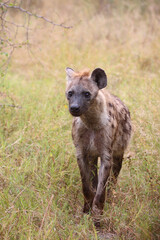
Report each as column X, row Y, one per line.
column 101, row 128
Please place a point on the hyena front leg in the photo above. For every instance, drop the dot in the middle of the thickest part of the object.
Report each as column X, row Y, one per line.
column 99, row 199
column 88, row 192
column 93, row 174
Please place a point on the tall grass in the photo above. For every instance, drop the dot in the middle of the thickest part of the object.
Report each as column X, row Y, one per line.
column 39, row 179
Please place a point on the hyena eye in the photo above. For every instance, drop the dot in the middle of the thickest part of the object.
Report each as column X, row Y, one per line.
column 70, row 93
column 87, row 94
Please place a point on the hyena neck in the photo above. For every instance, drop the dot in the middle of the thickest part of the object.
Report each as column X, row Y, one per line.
column 96, row 116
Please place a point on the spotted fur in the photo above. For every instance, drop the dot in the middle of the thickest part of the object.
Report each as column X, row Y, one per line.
column 101, row 128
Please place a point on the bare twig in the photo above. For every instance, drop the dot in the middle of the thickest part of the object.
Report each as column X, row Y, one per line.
column 33, row 14
column 6, row 63
column 15, row 24
column 10, row 105
column 8, row 41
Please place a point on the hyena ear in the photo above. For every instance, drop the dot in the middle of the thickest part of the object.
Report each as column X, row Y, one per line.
column 70, row 73
column 99, row 76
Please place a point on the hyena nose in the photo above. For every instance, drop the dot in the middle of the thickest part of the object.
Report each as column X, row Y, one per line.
column 75, row 108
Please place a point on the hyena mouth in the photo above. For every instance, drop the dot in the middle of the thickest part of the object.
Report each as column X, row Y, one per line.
column 75, row 114
column 75, row 110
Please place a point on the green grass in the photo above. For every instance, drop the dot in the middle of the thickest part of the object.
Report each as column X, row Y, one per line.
column 40, row 185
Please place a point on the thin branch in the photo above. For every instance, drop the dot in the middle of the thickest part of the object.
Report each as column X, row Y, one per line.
column 27, row 32
column 8, row 41
column 10, row 105
column 16, row 25
column 8, row 59
column 35, row 15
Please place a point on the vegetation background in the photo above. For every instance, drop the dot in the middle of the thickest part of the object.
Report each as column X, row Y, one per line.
column 40, row 184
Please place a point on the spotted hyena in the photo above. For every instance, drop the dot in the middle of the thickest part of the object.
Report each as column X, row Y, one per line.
column 101, row 128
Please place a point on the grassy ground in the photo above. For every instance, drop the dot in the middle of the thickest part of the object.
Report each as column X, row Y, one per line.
column 40, row 184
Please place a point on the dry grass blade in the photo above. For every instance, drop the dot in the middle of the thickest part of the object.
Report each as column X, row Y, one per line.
column 45, row 214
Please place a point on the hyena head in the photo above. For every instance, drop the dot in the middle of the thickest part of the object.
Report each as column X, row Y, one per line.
column 82, row 89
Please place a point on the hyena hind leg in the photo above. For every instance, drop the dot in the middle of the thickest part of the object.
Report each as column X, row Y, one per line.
column 116, row 168
column 117, row 165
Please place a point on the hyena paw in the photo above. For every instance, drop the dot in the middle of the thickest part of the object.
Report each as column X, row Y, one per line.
column 87, row 207
column 96, row 215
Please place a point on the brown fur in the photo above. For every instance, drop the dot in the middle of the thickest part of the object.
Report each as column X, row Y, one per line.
column 83, row 73
column 102, row 130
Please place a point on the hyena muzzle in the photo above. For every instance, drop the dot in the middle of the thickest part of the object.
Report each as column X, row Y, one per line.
column 101, row 128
